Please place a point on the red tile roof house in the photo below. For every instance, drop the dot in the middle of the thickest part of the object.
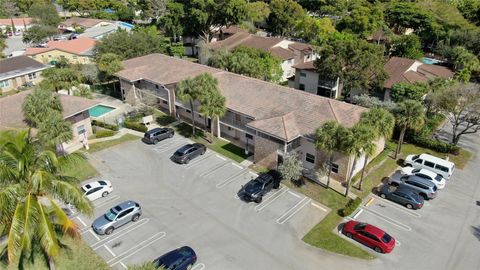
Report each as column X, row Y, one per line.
column 20, row 24
column 289, row 52
column 264, row 118
column 75, row 110
column 78, row 51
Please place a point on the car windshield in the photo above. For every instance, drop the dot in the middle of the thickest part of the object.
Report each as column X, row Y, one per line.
column 386, row 238
column 438, row 177
column 360, row 226
column 181, row 151
column 415, row 157
column 103, row 183
column 415, row 171
column 110, row 215
column 185, row 251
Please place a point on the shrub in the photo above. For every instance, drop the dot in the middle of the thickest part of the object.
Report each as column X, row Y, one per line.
column 435, row 145
column 136, row 126
column 351, row 206
column 104, row 125
column 104, row 133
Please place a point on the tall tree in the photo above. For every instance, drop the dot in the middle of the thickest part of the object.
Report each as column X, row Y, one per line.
column 213, row 104
column 357, row 63
column 362, row 18
column 109, row 64
column 408, row 46
column 57, row 79
column 461, row 105
column 186, row 90
column 283, row 16
column 382, row 123
column 24, row 5
column 257, row 12
column 38, row 34
column 402, row 15
column 327, row 139
column 403, row 91
column 44, row 14
column 172, row 20
column 32, row 184
column 409, row 114
column 37, row 105
column 54, row 130
column 291, row 168
column 310, row 28
column 153, row 9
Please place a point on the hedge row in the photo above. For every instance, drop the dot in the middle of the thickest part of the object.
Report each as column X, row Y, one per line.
column 136, row 126
column 104, row 125
column 104, row 133
column 351, row 206
column 435, row 145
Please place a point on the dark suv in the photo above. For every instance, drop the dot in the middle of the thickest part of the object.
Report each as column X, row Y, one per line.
column 188, row 152
column 158, row 134
column 256, row 188
column 179, row 259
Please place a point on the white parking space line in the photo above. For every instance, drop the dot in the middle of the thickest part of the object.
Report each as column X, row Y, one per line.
column 117, row 234
column 236, row 165
column 319, row 207
column 124, row 266
column 109, row 250
column 209, row 172
column 389, row 220
column 199, row 160
column 294, row 194
column 357, row 214
column 132, row 251
column 81, row 221
column 231, row 178
column 271, row 199
column 292, row 211
column 169, row 147
column 199, row 266
column 220, row 157
column 254, row 174
column 108, row 200
column 399, row 207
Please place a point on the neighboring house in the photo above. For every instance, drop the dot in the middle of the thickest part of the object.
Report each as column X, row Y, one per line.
column 83, row 22
column 411, row 71
column 307, row 79
column 18, row 71
column 265, row 119
column 20, row 24
column 289, row 52
column 75, row 110
column 77, row 51
column 93, row 28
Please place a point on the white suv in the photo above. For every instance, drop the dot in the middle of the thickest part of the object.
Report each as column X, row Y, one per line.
column 436, row 178
column 97, row 189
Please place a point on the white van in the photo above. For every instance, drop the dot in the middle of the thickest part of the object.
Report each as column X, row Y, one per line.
column 425, row 161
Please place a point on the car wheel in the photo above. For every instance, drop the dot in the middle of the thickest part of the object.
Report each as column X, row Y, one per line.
column 187, row 160
column 276, row 186
column 349, row 235
column 259, row 199
column 203, row 152
column 189, row 266
column 425, row 197
column 135, row 217
column 383, row 196
column 379, row 250
column 109, row 231
column 409, row 206
column 104, row 194
column 155, row 141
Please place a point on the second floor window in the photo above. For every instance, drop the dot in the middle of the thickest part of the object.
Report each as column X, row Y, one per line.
column 309, row 158
column 303, row 74
column 32, row 76
column 334, row 168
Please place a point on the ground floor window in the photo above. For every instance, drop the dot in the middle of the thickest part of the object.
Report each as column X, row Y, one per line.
column 309, row 158
column 4, row 84
column 32, row 76
column 334, row 167
column 81, row 129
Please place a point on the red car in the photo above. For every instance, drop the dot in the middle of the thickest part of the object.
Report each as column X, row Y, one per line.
column 369, row 235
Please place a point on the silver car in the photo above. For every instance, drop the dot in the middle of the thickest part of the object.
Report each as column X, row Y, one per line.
column 421, row 186
column 116, row 217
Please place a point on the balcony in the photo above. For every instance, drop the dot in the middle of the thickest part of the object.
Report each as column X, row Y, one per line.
column 327, row 83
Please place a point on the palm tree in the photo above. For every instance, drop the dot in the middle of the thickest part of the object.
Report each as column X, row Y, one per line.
column 213, row 106
column 186, row 90
column 32, row 185
column 54, row 130
column 327, row 140
column 382, row 123
column 409, row 114
column 354, row 142
column 38, row 104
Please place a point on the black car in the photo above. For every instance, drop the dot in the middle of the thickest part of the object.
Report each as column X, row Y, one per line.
column 188, row 152
column 403, row 195
column 179, row 259
column 256, row 188
column 157, row 134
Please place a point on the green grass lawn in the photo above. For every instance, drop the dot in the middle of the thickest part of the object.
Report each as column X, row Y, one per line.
column 220, row 146
column 81, row 169
column 94, row 147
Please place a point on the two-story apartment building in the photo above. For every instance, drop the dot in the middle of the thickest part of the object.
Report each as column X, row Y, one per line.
column 266, row 119
column 289, row 52
column 75, row 51
column 308, row 79
column 18, row 71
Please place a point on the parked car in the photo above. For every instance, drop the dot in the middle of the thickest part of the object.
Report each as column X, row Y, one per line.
column 158, row 134
column 437, row 165
column 369, row 235
column 436, row 178
column 402, row 195
column 423, row 187
column 256, row 188
column 116, row 217
column 179, row 259
column 97, row 189
column 188, row 152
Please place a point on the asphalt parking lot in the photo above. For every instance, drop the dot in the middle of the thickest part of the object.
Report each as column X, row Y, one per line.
column 196, row 205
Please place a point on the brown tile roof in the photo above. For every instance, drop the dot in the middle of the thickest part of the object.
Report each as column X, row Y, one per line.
column 277, row 110
column 305, row 65
column 85, row 22
column 301, row 46
column 16, row 66
column 79, row 46
column 379, row 35
column 281, row 53
column 232, row 29
column 16, row 21
column 11, row 115
column 408, row 70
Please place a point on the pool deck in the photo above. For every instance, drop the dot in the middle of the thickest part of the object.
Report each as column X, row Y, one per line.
column 111, row 117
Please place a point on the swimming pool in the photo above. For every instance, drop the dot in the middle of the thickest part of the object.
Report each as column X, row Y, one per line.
column 100, row 110
column 430, row 61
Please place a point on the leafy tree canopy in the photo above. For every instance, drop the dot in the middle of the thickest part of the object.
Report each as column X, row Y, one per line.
column 283, row 16
column 404, row 91
column 257, row 12
column 44, row 14
column 408, row 46
column 38, row 34
column 310, row 28
column 362, row 19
